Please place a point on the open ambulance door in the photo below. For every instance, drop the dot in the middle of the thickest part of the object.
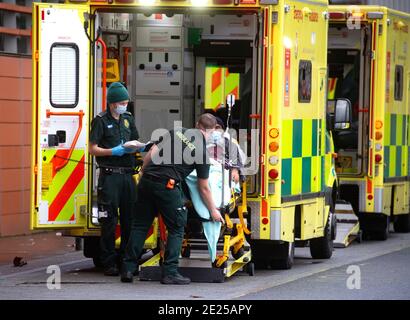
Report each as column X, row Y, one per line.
column 60, row 116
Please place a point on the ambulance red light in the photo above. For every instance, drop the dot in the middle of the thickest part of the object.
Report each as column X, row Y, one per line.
column 370, row 197
column 378, row 158
column 273, row 146
column 273, row 174
column 247, row 1
column 265, row 221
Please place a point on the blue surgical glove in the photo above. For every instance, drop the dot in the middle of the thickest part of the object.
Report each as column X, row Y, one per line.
column 118, row 151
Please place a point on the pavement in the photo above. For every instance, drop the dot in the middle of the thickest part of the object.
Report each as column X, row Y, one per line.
column 383, row 266
column 34, row 246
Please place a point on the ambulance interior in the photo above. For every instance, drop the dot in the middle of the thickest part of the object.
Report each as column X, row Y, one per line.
column 349, row 75
column 178, row 65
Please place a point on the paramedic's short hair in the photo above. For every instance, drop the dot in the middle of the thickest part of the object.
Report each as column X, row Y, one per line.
column 206, row 121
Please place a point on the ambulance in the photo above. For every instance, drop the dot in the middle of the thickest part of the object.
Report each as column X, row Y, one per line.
column 368, row 60
column 179, row 59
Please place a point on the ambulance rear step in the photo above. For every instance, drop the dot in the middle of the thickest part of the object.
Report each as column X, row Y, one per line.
column 348, row 228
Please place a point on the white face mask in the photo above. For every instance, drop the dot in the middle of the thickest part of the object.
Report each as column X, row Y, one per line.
column 216, row 135
column 121, row 108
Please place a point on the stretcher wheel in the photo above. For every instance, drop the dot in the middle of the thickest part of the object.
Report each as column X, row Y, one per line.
column 250, row 269
column 186, row 252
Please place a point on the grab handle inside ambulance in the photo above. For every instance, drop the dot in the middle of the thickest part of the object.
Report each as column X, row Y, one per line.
column 80, row 115
column 104, row 72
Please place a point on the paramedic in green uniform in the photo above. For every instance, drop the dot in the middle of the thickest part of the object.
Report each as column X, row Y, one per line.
column 169, row 162
column 116, row 187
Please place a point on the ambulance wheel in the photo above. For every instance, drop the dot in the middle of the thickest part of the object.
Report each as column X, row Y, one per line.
column 250, row 269
column 402, row 223
column 285, row 256
column 186, row 252
column 239, row 254
column 260, row 264
column 382, row 233
column 97, row 262
column 322, row 248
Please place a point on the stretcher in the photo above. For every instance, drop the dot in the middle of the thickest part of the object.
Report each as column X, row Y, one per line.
column 234, row 252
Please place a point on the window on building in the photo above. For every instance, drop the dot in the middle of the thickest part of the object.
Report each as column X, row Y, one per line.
column 305, row 81
column 64, row 65
column 398, row 83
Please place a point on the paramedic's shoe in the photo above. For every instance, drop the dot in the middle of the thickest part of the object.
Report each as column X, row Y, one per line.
column 175, row 279
column 111, row 271
column 127, row 276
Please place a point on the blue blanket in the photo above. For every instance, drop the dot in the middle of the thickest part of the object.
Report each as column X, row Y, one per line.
column 212, row 229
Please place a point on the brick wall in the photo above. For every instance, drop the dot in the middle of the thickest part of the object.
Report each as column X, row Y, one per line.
column 15, row 144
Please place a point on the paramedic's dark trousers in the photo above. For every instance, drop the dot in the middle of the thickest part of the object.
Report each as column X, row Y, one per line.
column 115, row 191
column 154, row 197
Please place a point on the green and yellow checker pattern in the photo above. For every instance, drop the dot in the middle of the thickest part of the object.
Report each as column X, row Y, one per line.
column 303, row 156
column 395, row 148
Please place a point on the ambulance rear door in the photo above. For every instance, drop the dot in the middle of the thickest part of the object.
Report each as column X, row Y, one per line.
column 60, row 116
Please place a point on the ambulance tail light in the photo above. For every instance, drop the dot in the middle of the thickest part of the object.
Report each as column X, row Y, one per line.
column 273, row 174
column 273, row 146
column 378, row 158
column 379, row 135
column 265, row 221
column 247, row 1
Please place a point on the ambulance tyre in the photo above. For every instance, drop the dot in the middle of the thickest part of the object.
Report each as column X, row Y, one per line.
column 322, row 248
column 402, row 223
column 91, row 249
column 284, row 260
column 97, row 262
column 382, row 233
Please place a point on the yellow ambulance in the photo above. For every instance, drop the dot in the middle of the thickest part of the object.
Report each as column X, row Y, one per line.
column 179, row 58
column 368, row 59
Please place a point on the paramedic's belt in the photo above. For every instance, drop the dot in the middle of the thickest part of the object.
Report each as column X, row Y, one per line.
column 161, row 180
column 116, row 170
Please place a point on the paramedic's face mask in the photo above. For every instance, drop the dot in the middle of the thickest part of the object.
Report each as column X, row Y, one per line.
column 121, row 107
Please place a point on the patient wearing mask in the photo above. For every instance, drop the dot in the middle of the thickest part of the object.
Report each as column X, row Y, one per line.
column 226, row 159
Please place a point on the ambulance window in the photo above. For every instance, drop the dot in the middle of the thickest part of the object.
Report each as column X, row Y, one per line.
column 398, row 83
column 305, row 81
column 64, row 75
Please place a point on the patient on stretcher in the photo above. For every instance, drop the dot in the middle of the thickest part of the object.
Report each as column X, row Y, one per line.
column 226, row 159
